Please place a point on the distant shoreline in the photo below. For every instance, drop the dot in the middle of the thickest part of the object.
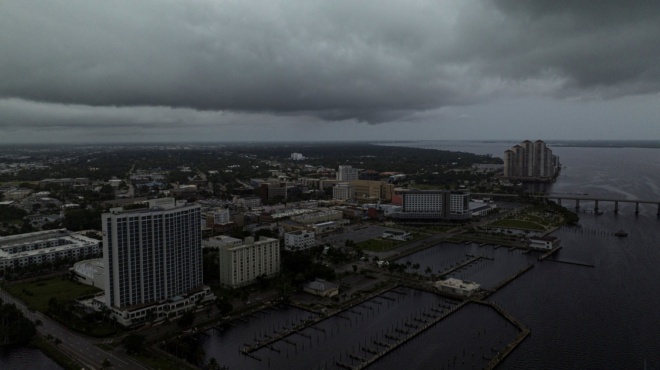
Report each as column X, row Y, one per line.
column 650, row 144
column 607, row 144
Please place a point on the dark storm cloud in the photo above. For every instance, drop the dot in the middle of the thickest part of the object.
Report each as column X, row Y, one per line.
column 372, row 61
column 603, row 47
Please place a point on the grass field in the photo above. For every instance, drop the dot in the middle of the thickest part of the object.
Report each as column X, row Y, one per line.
column 36, row 294
column 518, row 224
column 378, row 245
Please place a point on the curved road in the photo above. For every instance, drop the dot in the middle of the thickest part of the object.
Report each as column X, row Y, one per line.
column 79, row 347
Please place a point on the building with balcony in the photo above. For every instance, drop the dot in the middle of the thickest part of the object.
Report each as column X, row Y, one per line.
column 530, row 161
column 153, row 260
column 242, row 263
column 434, row 204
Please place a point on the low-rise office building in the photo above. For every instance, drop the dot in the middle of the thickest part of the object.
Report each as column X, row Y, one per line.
column 544, row 242
column 457, row 286
column 328, row 227
column 90, row 272
column 322, row 288
column 299, row 240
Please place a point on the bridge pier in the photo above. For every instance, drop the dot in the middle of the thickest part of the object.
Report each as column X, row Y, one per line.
column 596, row 206
column 559, row 201
column 616, row 207
column 577, row 204
column 636, row 208
column 658, row 213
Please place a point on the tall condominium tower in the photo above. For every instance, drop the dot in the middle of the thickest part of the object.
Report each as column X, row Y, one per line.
column 152, row 254
column 530, row 161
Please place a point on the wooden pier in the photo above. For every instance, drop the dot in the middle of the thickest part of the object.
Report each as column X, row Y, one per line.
column 296, row 329
column 406, row 337
column 549, row 253
column 573, row 263
column 471, row 260
column 511, row 278
column 501, row 354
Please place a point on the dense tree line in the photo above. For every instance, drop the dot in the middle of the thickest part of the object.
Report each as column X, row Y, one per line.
column 14, row 326
column 298, row 268
column 79, row 219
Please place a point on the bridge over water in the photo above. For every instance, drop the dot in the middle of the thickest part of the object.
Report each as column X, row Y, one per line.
column 585, row 198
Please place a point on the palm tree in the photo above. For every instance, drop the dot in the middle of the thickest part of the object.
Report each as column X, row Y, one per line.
column 213, row 364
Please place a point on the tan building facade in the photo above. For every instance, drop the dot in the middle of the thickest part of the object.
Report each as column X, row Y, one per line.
column 241, row 264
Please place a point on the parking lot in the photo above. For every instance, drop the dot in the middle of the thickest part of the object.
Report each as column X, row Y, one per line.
column 356, row 233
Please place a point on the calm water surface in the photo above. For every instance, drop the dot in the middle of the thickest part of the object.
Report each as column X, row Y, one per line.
column 25, row 358
column 601, row 317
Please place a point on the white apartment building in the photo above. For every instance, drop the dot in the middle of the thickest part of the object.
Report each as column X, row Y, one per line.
column 45, row 246
column 153, row 260
column 343, row 191
column 347, row 173
column 241, row 264
column 299, row 240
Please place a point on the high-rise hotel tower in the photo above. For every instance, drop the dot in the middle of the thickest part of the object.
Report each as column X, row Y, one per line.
column 152, row 258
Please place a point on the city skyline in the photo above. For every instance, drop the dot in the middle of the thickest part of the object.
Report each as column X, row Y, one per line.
column 89, row 72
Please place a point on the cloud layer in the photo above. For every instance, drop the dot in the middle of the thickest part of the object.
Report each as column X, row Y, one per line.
column 373, row 61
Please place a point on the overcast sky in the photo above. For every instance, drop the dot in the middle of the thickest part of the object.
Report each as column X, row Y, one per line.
column 211, row 70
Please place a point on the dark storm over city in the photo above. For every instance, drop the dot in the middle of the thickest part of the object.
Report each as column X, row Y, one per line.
column 89, row 71
column 329, row 185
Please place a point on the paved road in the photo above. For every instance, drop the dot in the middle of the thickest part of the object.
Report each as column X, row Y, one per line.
column 79, row 347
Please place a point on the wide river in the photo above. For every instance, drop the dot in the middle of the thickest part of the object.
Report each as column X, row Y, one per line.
column 605, row 317
column 601, row 317
column 603, row 314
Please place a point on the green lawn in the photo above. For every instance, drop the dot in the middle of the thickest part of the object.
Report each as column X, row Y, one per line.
column 37, row 293
column 378, row 245
column 518, row 224
column 533, row 218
